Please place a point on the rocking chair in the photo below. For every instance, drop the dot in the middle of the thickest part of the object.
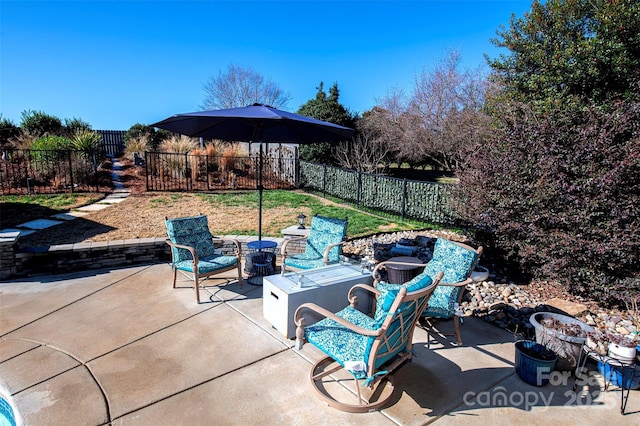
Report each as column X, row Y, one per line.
column 369, row 348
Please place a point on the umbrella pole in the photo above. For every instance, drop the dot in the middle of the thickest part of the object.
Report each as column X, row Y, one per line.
column 260, row 195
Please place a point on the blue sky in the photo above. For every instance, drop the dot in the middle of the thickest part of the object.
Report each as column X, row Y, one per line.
column 117, row 63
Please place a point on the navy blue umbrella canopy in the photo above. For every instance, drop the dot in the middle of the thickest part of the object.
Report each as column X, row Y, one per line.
column 255, row 123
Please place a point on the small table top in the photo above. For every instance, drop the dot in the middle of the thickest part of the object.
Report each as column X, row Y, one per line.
column 261, row 244
column 400, row 274
column 295, row 231
column 404, row 259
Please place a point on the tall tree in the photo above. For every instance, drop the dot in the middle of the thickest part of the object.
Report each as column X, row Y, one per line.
column 326, row 108
column 241, row 86
column 560, row 176
column 571, row 51
column 440, row 121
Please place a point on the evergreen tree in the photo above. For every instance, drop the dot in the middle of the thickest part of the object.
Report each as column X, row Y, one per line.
column 571, row 52
column 326, row 108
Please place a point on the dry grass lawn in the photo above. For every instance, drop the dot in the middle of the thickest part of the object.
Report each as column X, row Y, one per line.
column 142, row 216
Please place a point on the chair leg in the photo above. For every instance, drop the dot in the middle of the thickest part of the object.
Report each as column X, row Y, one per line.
column 175, row 275
column 239, row 275
column 196, row 285
column 456, row 327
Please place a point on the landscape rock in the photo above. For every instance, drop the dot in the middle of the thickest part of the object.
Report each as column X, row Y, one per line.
column 500, row 301
column 571, row 308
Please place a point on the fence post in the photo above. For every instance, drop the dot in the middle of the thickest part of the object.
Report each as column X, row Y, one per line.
column 206, row 170
column 95, row 170
column 297, row 166
column 187, row 172
column 324, row 180
column 404, row 197
column 359, row 192
column 146, row 168
column 70, row 169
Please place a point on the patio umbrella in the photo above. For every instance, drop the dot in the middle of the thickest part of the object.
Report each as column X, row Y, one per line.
column 255, row 123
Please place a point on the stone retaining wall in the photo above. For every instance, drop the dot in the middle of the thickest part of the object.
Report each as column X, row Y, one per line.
column 84, row 256
column 27, row 261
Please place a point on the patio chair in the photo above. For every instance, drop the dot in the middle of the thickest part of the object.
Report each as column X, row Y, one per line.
column 457, row 261
column 323, row 244
column 369, row 348
column 193, row 252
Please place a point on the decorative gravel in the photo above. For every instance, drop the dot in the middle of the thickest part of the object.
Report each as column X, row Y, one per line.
column 501, row 301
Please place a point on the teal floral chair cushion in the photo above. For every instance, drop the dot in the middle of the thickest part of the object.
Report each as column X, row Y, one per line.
column 324, row 232
column 388, row 293
column 194, row 232
column 349, row 348
column 191, row 240
column 342, row 344
column 456, row 262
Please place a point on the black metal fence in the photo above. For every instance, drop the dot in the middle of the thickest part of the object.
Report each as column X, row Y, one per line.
column 186, row 172
column 50, row 172
column 24, row 171
column 409, row 199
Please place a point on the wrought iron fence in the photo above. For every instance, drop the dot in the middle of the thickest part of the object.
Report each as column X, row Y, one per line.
column 409, row 199
column 49, row 172
column 186, row 172
column 24, row 171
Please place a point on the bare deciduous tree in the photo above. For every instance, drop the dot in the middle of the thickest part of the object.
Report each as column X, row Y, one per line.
column 365, row 152
column 441, row 120
column 239, row 86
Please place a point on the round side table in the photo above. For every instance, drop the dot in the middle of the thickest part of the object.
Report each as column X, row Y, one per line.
column 260, row 260
column 400, row 274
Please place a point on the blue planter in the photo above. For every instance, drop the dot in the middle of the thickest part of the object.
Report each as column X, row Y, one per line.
column 621, row 377
column 534, row 362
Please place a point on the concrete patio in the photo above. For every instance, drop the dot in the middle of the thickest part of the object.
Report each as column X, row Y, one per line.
column 122, row 347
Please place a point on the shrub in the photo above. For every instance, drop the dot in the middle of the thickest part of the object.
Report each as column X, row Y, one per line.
column 154, row 138
column 560, row 194
column 179, row 144
column 204, row 159
column 85, row 140
column 229, row 159
column 176, row 165
column 23, row 140
column 75, row 125
column 39, row 123
column 50, row 149
column 138, row 144
column 51, row 142
column 8, row 132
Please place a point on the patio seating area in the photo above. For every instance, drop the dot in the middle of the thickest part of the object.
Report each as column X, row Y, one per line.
column 122, row 346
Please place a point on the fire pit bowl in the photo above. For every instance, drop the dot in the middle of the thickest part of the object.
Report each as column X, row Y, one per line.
column 562, row 334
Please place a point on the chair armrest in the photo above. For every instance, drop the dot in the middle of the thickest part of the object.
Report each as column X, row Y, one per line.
column 325, row 258
column 354, row 299
column 189, row 248
column 300, row 323
column 283, row 250
column 234, row 241
column 458, row 284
